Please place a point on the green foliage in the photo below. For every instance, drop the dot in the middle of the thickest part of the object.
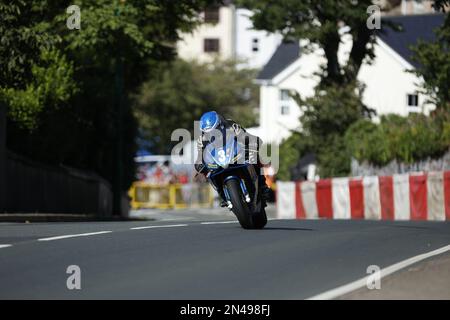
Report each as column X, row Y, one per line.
column 331, row 111
column 64, row 84
column 291, row 150
column 21, row 41
column 405, row 139
column 332, row 158
column 185, row 90
column 364, row 140
column 51, row 85
column 107, row 25
column 434, row 60
column 336, row 104
column 34, row 74
column 326, row 117
column 319, row 22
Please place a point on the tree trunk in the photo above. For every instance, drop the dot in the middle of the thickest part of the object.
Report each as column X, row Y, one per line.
column 331, row 47
column 359, row 51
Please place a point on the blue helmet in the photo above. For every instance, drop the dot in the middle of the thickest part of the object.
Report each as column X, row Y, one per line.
column 209, row 121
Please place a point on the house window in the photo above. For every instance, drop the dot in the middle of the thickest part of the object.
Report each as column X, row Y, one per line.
column 413, row 102
column 285, row 102
column 212, row 15
column 284, row 95
column 285, row 110
column 418, row 7
column 211, row 45
column 255, row 45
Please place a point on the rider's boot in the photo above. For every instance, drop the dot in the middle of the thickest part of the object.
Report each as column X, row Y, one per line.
column 223, row 202
column 265, row 190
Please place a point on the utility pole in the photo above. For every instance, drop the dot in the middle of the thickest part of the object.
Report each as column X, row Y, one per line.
column 2, row 157
column 118, row 172
column 118, row 167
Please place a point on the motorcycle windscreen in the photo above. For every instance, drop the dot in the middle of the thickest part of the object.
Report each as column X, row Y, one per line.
column 219, row 154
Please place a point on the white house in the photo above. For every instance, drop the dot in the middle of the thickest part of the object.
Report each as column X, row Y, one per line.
column 227, row 33
column 389, row 87
column 214, row 38
column 254, row 47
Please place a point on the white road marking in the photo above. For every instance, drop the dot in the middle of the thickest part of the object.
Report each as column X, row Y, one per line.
column 5, row 246
column 218, row 222
column 73, row 236
column 342, row 290
column 164, row 226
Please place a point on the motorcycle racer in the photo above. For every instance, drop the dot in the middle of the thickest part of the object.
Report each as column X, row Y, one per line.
column 210, row 124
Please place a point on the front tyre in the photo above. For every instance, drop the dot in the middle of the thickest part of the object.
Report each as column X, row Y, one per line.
column 240, row 207
column 260, row 219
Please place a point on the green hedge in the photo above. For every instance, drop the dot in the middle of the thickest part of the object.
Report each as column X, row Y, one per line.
column 406, row 139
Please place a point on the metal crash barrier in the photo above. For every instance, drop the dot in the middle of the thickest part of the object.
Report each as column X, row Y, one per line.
column 173, row 196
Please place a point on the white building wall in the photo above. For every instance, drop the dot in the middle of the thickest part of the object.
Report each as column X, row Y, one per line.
column 386, row 79
column 191, row 47
column 388, row 84
column 245, row 35
column 268, row 113
column 298, row 77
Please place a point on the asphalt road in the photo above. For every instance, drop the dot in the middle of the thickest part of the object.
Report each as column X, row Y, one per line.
column 290, row 259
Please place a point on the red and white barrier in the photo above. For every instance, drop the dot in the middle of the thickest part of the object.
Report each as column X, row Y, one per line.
column 397, row 197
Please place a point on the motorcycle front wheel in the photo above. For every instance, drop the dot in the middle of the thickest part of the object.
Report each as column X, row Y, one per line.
column 260, row 220
column 240, row 208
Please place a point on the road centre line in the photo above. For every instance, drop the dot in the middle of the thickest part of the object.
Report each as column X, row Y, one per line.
column 73, row 236
column 163, row 226
column 218, row 222
column 5, row 246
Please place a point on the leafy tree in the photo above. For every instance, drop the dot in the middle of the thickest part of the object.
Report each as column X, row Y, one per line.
column 51, row 85
column 337, row 103
column 434, row 60
column 33, row 72
column 323, row 124
column 119, row 42
column 291, row 150
column 21, row 42
column 326, row 117
column 441, row 5
column 365, row 140
column 319, row 21
column 184, row 90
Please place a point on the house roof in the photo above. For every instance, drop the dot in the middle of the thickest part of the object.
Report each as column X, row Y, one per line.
column 286, row 53
column 414, row 27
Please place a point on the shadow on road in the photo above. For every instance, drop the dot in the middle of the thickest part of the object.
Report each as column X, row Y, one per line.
column 411, row 227
column 288, row 229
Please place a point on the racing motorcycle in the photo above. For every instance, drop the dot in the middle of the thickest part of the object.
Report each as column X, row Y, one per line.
column 236, row 180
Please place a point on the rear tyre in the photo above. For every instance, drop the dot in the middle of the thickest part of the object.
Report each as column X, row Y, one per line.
column 240, row 207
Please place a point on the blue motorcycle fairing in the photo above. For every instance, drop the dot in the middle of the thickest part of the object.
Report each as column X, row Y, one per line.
column 216, row 155
column 221, row 158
